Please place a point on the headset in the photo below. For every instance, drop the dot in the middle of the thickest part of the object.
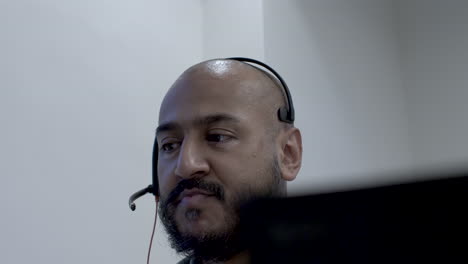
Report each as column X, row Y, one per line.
column 285, row 114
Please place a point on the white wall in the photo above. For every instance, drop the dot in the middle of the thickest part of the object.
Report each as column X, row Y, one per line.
column 340, row 59
column 80, row 87
column 233, row 29
column 434, row 43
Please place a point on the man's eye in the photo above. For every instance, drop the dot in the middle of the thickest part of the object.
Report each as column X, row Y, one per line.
column 217, row 138
column 169, row 146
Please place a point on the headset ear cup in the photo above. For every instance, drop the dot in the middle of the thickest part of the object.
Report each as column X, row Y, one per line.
column 155, row 187
column 284, row 115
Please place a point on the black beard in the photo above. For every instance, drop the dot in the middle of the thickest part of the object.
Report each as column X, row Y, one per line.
column 222, row 245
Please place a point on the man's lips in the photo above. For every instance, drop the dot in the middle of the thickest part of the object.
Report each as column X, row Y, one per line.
column 192, row 192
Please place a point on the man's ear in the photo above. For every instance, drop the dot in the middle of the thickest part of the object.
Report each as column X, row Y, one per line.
column 290, row 153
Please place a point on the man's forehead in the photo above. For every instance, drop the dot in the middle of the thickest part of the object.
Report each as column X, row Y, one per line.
column 206, row 90
column 195, row 101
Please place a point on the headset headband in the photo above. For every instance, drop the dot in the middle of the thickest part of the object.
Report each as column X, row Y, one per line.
column 285, row 114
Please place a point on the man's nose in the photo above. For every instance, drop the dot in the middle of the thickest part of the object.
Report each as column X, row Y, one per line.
column 191, row 162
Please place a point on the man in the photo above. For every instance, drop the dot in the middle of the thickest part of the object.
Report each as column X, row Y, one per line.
column 221, row 145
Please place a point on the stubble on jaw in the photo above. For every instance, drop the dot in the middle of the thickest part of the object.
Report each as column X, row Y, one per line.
column 217, row 245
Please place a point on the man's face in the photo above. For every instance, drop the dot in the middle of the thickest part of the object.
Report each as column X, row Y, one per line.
column 216, row 151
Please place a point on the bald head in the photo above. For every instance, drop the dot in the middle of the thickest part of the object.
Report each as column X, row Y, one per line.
column 227, row 68
column 257, row 89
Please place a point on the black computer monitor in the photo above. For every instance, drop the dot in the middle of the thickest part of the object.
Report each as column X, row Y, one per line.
column 421, row 222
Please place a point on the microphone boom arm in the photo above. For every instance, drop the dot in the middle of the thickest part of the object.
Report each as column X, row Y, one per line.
column 131, row 201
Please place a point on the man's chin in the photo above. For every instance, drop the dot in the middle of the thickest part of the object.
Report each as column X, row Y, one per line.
column 209, row 245
column 196, row 223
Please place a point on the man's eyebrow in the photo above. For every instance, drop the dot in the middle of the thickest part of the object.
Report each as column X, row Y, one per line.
column 166, row 127
column 202, row 121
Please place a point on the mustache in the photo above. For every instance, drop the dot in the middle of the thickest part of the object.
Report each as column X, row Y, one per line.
column 215, row 189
